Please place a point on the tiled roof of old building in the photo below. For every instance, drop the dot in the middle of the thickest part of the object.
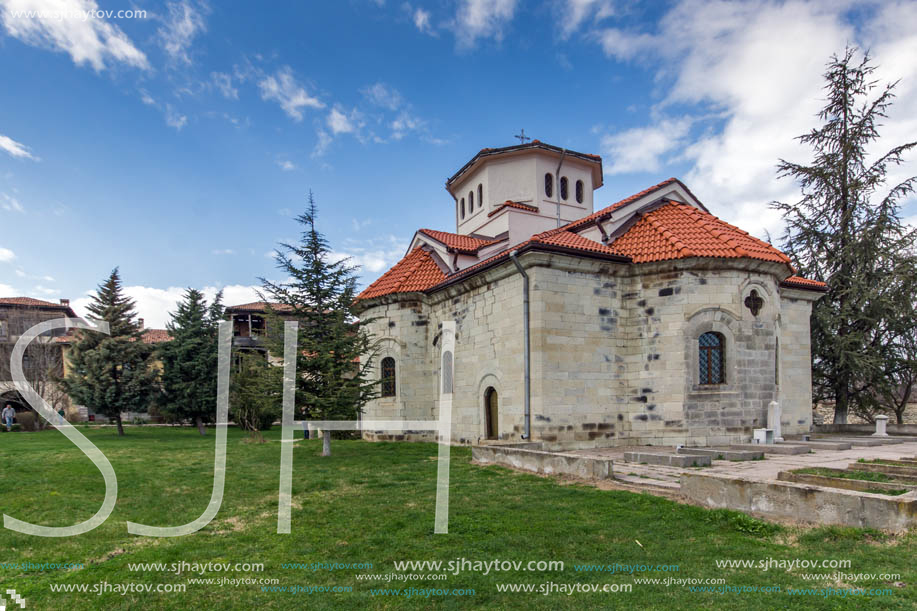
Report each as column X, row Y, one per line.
column 679, row 231
column 512, row 204
column 155, row 336
column 456, row 241
column 804, row 283
column 29, row 301
column 672, row 230
column 586, row 220
column 258, row 306
column 417, row 271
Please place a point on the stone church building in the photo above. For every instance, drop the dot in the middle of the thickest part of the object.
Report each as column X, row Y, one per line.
column 649, row 321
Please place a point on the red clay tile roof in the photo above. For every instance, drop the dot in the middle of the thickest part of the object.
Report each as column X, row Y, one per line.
column 462, row 243
column 586, row 220
column 512, row 204
column 149, row 336
column 28, row 301
column 674, row 230
column 417, row 271
column 258, row 306
column 155, row 336
column 798, row 282
column 678, row 231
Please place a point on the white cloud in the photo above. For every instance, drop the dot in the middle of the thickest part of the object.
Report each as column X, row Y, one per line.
column 421, row 20
column 283, row 88
column 181, row 26
column 751, row 74
column 154, row 305
column 223, row 82
column 92, row 41
column 572, row 13
column 482, row 19
column 286, row 165
column 6, row 255
column 383, row 95
column 406, row 122
column 641, row 149
column 222, row 251
column 340, row 123
column 322, row 143
column 16, row 149
column 7, row 291
column 626, row 45
column 146, row 98
column 174, row 118
column 44, row 290
column 10, row 203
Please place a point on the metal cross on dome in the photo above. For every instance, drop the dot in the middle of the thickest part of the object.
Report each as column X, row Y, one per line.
column 521, row 136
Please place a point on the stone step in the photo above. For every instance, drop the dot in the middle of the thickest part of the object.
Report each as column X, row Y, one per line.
column 724, row 453
column 782, row 448
column 865, row 442
column 820, row 445
column 670, row 459
column 647, row 482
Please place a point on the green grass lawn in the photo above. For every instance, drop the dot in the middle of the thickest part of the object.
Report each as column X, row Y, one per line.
column 374, row 503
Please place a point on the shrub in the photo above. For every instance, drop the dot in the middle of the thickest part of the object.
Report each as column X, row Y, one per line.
column 26, row 420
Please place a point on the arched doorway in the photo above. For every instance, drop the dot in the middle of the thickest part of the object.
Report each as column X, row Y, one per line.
column 491, row 413
column 15, row 400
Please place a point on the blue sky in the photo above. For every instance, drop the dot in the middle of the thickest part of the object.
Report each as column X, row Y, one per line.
column 179, row 146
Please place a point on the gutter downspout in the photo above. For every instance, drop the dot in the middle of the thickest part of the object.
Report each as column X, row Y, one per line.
column 557, row 183
column 526, row 360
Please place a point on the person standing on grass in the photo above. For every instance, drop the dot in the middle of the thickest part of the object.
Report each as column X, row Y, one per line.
column 8, row 414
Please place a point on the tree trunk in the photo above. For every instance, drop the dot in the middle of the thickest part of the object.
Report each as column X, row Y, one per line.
column 200, row 426
column 326, row 443
column 841, row 404
column 120, row 425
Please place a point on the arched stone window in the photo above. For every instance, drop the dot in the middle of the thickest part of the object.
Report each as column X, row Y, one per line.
column 388, row 377
column 480, row 195
column 579, row 191
column 447, row 372
column 564, row 191
column 471, row 201
column 549, row 185
column 710, row 361
column 463, row 207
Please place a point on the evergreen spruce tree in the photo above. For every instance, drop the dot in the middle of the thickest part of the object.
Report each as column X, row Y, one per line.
column 846, row 232
column 334, row 346
column 189, row 360
column 111, row 373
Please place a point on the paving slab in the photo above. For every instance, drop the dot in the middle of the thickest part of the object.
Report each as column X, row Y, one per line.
column 782, row 448
column 668, row 458
column 820, row 445
column 864, row 442
column 724, row 453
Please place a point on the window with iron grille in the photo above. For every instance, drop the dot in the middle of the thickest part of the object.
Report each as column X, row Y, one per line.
column 548, row 185
column 563, row 188
column 710, row 359
column 388, row 377
column 579, row 191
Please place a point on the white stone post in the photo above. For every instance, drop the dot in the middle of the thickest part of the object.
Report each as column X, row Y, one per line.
column 881, row 423
column 774, row 414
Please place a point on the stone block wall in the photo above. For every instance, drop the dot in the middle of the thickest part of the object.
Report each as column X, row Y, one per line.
column 613, row 352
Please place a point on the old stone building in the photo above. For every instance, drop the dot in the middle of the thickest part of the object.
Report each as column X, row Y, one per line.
column 45, row 357
column 650, row 321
